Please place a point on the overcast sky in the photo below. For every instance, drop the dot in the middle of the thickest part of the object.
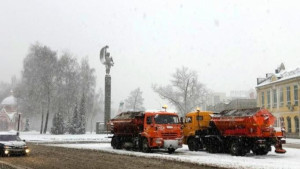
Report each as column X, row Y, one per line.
column 229, row 43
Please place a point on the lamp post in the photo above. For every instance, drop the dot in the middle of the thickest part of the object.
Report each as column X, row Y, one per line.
column 19, row 117
column 19, row 120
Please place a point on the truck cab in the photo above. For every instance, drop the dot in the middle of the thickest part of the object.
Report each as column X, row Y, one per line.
column 146, row 131
column 195, row 121
column 162, row 130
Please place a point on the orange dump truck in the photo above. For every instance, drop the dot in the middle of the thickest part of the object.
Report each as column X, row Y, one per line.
column 145, row 131
column 236, row 131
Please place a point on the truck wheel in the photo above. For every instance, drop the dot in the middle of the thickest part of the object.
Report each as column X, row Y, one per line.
column 237, row 150
column 261, row 151
column 116, row 143
column 113, row 143
column 212, row 148
column 145, row 146
column 171, row 150
column 193, row 144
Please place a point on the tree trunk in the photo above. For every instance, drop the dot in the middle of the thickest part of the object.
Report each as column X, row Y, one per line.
column 46, row 122
column 92, row 125
column 41, row 131
column 47, row 116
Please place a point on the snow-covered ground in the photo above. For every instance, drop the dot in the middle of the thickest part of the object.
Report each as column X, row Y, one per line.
column 289, row 160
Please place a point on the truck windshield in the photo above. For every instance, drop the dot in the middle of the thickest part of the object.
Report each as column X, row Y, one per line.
column 166, row 119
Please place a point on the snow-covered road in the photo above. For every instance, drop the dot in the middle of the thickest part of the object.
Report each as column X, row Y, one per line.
column 290, row 160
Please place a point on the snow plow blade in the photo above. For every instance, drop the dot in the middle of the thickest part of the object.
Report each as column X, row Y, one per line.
column 278, row 147
column 280, row 151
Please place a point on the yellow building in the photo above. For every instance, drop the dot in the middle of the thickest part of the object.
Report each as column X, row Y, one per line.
column 279, row 93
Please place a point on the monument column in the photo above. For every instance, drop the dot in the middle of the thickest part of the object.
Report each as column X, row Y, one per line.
column 107, row 60
column 107, row 103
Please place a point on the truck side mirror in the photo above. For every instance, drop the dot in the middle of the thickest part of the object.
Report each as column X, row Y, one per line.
column 149, row 120
column 181, row 120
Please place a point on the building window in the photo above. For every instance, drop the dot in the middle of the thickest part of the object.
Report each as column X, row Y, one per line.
column 289, row 124
column 274, row 98
column 281, row 96
column 288, row 95
column 296, row 124
column 262, row 99
column 269, row 98
column 296, row 95
column 282, row 122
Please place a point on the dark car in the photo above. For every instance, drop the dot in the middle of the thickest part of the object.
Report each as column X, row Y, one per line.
column 11, row 144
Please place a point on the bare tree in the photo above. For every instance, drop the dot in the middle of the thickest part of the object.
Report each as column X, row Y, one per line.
column 185, row 92
column 135, row 100
column 4, row 90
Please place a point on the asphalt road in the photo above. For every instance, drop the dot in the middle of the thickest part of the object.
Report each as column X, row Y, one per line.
column 46, row 157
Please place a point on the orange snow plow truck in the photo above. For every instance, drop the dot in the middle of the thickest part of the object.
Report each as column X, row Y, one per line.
column 145, row 131
column 233, row 131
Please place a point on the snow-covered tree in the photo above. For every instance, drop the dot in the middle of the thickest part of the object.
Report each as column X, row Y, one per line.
column 97, row 110
column 87, row 86
column 46, row 75
column 135, row 100
column 82, row 114
column 4, row 90
column 27, row 125
column 185, row 91
column 73, row 129
column 58, row 125
column 39, row 71
column 67, row 84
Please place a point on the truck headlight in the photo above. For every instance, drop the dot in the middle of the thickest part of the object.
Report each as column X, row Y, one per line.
column 27, row 150
column 6, row 152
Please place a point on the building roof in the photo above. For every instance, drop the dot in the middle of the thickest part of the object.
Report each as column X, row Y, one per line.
column 280, row 76
column 11, row 100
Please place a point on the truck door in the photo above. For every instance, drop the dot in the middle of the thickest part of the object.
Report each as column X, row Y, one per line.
column 149, row 126
column 188, row 125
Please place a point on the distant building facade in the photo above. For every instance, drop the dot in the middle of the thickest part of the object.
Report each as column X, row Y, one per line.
column 279, row 93
column 9, row 114
column 242, row 94
column 216, row 98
